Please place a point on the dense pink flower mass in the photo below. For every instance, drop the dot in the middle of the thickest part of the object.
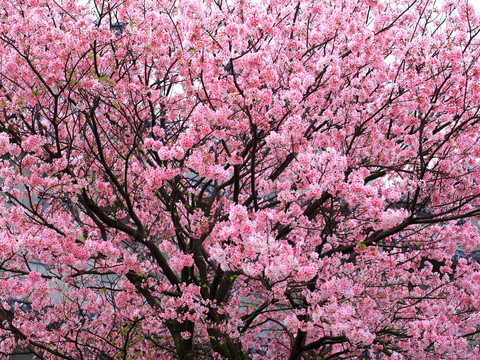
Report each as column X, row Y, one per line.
column 239, row 179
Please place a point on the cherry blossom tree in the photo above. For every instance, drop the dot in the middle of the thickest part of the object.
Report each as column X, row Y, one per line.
column 239, row 179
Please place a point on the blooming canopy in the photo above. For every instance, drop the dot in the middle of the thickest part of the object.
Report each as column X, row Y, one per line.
column 234, row 179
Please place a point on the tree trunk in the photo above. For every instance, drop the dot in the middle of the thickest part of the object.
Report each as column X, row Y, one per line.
column 183, row 347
